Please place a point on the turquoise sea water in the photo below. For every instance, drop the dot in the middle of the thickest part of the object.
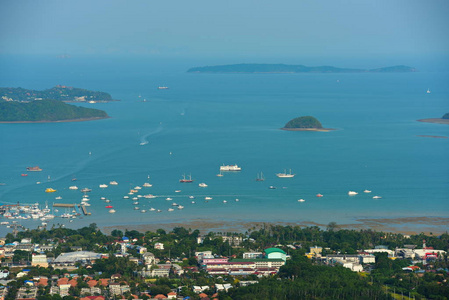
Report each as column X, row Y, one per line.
column 206, row 120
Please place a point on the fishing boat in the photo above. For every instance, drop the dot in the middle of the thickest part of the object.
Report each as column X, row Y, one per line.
column 185, row 180
column 34, row 169
column 260, row 177
column 285, row 174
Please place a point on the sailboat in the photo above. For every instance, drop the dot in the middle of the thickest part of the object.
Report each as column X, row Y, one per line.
column 185, row 180
column 428, row 91
column 260, row 177
column 285, row 174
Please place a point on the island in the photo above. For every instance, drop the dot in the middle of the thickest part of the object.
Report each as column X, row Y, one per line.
column 443, row 120
column 305, row 123
column 40, row 111
column 59, row 92
column 283, row 68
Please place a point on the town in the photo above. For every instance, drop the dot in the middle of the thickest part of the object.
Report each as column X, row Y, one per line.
column 266, row 262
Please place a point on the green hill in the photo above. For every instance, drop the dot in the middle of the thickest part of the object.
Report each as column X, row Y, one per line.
column 59, row 92
column 46, row 111
column 303, row 122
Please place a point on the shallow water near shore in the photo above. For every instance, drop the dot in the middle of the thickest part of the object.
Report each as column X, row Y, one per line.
column 205, row 120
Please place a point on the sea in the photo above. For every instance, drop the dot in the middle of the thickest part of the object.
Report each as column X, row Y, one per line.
column 203, row 121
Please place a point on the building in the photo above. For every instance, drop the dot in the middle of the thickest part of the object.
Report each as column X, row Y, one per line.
column 39, row 260
column 275, row 253
column 252, row 255
column 159, row 246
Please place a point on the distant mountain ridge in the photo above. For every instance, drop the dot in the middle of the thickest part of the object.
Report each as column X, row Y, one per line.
column 283, row 68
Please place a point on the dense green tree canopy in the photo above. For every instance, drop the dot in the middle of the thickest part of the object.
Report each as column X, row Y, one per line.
column 304, row 122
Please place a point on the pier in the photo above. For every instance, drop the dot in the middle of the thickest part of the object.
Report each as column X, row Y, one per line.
column 83, row 208
column 63, row 205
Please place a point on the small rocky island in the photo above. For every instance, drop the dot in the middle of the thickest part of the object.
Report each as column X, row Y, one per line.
column 443, row 120
column 305, row 123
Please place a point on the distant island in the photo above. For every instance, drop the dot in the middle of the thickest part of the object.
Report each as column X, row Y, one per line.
column 443, row 120
column 46, row 111
column 59, row 92
column 283, row 68
column 306, row 123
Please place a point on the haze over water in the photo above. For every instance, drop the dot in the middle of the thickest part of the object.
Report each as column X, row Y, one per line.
column 206, row 120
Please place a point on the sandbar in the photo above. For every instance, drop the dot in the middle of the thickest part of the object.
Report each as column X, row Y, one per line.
column 308, row 129
column 58, row 121
column 404, row 225
column 435, row 120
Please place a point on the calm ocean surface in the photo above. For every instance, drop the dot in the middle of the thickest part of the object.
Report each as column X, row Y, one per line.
column 206, row 120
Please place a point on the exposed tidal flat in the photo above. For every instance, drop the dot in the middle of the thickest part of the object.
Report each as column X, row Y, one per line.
column 204, row 121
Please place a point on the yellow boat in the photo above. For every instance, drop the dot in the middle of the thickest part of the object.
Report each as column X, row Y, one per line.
column 50, row 190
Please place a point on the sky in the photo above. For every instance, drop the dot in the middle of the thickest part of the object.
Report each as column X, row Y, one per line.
column 232, row 28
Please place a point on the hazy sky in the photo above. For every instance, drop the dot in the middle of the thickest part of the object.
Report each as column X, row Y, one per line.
column 211, row 28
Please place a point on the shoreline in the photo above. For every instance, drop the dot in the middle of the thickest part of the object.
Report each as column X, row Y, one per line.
column 435, row 121
column 58, row 121
column 403, row 225
column 308, row 129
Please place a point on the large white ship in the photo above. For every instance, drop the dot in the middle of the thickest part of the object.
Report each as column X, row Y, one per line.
column 230, row 168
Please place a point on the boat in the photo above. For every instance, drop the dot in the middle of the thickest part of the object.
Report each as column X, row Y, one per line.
column 260, row 177
column 58, row 198
column 136, row 208
column 103, row 186
column 34, row 169
column 146, row 184
column 86, row 190
column 74, row 179
column 134, row 191
column 301, row 200
column 50, row 190
column 220, row 174
column 108, row 206
column 171, row 209
column 207, row 198
column 143, row 211
column 180, row 207
column 285, row 174
column 174, row 204
column 23, row 175
column 111, row 211
column 185, row 180
column 107, row 200
column 135, row 198
column 319, row 195
column 224, row 201
column 152, row 209
column 377, row 197
column 136, row 203
column 202, row 184
column 230, row 168
column 162, row 87
column 149, row 196
column 159, row 210
column 352, row 193
column 428, row 91
column 193, row 202
column 37, row 182
column 73, row 187
column 272, row 187
column 367, row 191
column 191, row 197
column 125, row 197
column 178, row 191
column 168, row 199
column 102, row 198
column 137, row 188
column 237, row 200
column 113, row 182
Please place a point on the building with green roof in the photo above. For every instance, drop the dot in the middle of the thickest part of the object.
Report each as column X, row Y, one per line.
column 275, row 253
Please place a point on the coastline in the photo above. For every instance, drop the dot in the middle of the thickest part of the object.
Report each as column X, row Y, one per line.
column 403, row 225
column 435, row 121
column 58, row 121
column 308, row 129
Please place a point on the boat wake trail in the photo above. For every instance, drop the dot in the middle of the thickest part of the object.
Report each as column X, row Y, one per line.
column 144, row 139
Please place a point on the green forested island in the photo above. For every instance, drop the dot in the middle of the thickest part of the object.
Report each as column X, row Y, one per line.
column 46, row 111
column 59, row 92
column 283, row 68
column 304, row 123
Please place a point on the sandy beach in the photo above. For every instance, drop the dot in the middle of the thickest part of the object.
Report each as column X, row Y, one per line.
column 435, row 120
column 406, row 225
column 308, row 129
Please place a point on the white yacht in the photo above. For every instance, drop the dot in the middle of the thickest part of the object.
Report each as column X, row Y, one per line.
column 285, row 174
column 111, row 211
column 352, row 193
column 428, row 91
column 180, row 207
column 367, row 191
column 208, row 198
column 230, row 168
column 301, row 200
column 113, row 182
column 170, row 209
column 149, row 196
column 202, row 184
column 146, row 184
column 152, row 209
column 103, row 186
column 168, row 199
column 73, row 187
column 377, row 197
